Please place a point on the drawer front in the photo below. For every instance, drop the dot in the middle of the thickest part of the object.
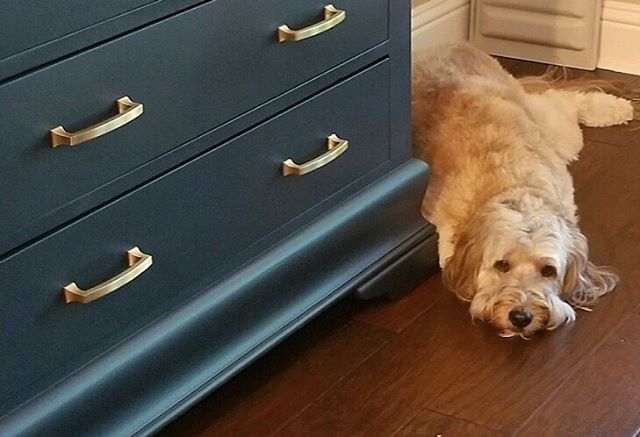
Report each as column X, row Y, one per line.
column 26, row 24
column 192, row 72
column 195, row 221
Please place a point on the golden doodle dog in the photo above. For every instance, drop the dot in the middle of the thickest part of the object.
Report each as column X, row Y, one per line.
column 500, row 194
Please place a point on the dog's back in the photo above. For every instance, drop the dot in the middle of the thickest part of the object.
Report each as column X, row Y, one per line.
column 464, row 106
column 450, row 75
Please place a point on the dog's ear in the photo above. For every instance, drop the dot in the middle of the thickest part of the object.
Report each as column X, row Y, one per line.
column 460, row 272
column 583, row 281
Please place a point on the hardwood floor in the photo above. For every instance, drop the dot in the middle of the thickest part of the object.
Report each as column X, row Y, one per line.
column 419, row 367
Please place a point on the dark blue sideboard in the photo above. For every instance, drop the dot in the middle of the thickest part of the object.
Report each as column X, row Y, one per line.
column 185, row 183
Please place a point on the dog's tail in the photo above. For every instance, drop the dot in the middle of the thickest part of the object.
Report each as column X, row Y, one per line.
column 559, row 78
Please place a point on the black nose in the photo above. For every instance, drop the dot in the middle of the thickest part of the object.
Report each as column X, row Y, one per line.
column 520, row 318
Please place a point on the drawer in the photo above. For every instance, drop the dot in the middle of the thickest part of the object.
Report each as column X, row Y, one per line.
column 26, row 24
column 192, row 72
column 196, row 221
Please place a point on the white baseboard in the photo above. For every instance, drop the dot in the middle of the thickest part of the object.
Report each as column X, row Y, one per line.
column 620, row 37
column 439, row 21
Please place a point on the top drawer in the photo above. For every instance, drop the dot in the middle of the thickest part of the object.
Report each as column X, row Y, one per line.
column 25, row 24
column 192, row 72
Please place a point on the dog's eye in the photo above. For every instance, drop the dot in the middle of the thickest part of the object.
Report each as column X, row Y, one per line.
column 502, row 266
column 548, row 271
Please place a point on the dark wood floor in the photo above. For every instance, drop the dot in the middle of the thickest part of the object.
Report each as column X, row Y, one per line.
column 419, row 367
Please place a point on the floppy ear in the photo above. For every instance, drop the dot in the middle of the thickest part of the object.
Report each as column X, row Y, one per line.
column 461, row 270
column 584, row 282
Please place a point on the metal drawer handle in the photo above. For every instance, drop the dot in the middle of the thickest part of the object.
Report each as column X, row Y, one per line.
column 337, row 146
column 332, row 17
column 128, row 110
column 138, row 263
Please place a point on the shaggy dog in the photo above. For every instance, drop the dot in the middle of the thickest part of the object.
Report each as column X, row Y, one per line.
column 500, row 194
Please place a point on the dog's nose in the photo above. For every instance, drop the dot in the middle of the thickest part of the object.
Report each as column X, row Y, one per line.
column 520, row 318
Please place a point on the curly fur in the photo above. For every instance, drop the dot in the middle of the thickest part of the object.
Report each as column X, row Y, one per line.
column 500, row 193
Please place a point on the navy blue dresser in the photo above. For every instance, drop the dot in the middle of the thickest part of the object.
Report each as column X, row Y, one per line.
column 185, row 183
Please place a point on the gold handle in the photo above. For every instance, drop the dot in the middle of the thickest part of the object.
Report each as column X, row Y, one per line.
column 337, row 146
column 128, row 110
column 138, row 263
column 332, row 17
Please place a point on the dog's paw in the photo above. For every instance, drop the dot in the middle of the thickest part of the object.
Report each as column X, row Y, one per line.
column 601, row 110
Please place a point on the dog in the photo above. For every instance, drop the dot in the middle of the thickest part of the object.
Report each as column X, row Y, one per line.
column 500, row 194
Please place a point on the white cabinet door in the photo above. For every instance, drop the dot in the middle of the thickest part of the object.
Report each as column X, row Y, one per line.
column 564, row 32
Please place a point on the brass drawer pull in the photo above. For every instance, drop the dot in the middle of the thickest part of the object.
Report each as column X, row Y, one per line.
column 337, row 146
column 332, row 17
column 128, row 110
column 138, row 263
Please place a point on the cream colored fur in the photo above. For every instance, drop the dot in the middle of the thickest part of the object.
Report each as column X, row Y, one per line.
column 500, row 194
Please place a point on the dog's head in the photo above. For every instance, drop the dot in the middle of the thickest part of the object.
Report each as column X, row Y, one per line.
column 522, row 267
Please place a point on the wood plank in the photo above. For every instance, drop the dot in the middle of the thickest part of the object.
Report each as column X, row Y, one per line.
column 602, row 398
column 618, row 135
column 397, row 315
column 606, row 179
column 277, row 387
column 615, row 76
column 430, row 423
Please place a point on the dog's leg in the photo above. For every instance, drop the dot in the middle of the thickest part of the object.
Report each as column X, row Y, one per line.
column 556, row 112
column 596, row 109
column 445, row 244
column 559, row 113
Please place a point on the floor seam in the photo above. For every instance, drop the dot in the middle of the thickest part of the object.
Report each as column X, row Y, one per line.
column 406, row 422
column 488, row 428
column 602, row 143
